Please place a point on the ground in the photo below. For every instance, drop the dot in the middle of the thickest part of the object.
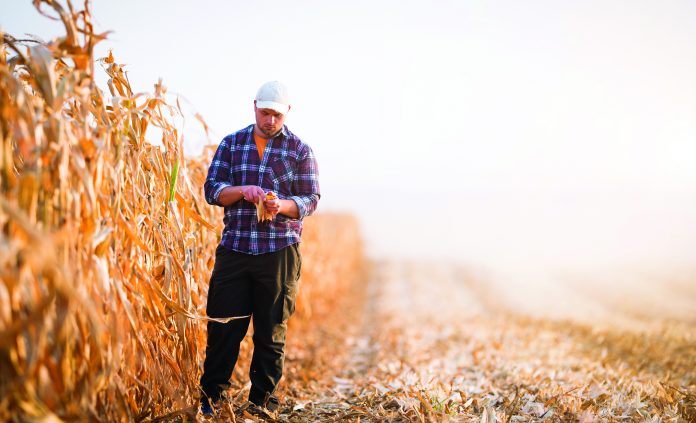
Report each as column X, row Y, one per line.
column 437, row 342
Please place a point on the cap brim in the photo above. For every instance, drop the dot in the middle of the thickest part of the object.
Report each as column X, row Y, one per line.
column 278, row 107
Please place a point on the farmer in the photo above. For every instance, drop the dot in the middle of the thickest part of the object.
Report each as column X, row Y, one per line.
column 257, row 264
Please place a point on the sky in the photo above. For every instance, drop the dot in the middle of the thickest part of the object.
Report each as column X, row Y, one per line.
column 507, row 134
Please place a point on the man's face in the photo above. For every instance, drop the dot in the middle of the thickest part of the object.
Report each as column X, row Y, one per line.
column 268, row 121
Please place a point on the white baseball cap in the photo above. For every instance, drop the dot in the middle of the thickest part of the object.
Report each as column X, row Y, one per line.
column 273, row 95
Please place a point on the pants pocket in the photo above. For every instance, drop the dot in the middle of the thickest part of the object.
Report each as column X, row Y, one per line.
column 291, row 284
column 290, row 297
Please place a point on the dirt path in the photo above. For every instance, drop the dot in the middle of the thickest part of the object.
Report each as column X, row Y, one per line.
column 439, row 343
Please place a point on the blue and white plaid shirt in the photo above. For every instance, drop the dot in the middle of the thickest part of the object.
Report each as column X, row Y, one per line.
column 288, row 168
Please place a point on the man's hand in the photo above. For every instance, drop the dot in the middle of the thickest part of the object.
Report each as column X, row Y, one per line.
column 252, row 193
column 272, row 206
column 285, row 207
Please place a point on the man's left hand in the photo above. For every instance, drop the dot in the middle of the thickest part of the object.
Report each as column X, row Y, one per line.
column 272, row 206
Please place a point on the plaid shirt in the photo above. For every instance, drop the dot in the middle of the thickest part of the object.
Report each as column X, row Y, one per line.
column 288, row 168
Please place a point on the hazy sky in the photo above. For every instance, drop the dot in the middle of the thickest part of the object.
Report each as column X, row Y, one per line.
column 537, row 133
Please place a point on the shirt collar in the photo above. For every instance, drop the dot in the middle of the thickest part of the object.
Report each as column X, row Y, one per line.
column 283, row 132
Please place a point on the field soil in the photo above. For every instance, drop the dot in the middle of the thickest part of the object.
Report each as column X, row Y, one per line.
column 436, row 342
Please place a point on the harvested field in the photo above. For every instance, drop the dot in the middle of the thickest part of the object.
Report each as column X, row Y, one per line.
column 436, row 345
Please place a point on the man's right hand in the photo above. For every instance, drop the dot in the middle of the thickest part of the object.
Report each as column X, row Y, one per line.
column 252, row 193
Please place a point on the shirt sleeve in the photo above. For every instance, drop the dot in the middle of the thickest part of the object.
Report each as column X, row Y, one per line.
column 305, row 185
column 218, row 173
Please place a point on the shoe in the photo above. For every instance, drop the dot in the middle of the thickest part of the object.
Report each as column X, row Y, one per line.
column 206, row 408
column 269, row 402
column 272, row 404
column 268, row 411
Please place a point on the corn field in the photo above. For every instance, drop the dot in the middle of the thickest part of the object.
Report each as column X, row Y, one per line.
column 106, row 242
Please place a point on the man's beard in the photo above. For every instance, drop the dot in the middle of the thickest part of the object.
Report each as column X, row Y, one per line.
column 268, row 133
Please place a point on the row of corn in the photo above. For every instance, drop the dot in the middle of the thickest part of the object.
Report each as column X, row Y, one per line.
column 106, row 242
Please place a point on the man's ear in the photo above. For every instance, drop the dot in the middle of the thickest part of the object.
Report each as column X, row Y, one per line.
column 254, row 105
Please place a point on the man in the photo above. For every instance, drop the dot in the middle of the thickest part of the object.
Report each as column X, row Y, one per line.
column 257, row 264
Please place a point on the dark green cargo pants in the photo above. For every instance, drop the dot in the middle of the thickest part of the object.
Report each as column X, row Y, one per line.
column 264, row 286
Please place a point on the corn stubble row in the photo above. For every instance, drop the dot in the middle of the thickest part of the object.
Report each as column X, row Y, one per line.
column 106, row 242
